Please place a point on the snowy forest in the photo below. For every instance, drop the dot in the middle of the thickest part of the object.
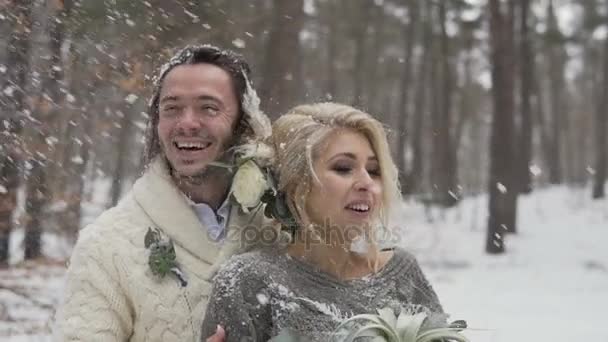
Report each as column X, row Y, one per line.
column 497, row 113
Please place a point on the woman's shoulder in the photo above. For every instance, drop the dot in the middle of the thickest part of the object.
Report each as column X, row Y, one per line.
column 253, row 266
column 404, row 257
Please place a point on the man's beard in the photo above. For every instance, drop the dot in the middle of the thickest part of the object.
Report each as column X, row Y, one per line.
column 209, row 172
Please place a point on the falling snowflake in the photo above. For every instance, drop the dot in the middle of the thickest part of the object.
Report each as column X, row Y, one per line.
column 2, row 69
column 131, row 98
column 535, row 170
column 130, row 22
column 70, row 98
column 195, row 18
column 3, row 189
column 51, row 141
column 501, row 187
column 239, row 43
column 590, row 170
column 262, row 298
column 8, row 91
column 207, row 26
column 77, row 160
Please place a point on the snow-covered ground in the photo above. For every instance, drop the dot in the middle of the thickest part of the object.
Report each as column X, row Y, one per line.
column 551, row 285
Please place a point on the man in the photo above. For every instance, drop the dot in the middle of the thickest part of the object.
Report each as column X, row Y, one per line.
column 142, row 271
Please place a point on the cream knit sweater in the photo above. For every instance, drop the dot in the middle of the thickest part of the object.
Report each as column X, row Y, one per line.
column 111, row 294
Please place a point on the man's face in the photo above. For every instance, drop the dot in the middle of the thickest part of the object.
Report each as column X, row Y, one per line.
column 198, row 112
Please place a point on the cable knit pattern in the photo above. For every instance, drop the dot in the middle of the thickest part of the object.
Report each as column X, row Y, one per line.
column 257, row 295
column 111, row 294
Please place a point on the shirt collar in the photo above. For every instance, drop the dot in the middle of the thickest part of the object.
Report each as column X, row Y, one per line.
column 223, row 210
column 214, row 221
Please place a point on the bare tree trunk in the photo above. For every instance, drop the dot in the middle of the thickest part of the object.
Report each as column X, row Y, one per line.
column 332, row 45
column 503, row 196
column 601, row 127
column 556, row 80
column 375, row 103
column 444, row 159
column 12, row 105
column 281, row 85
column 406, row 80
column 526, row 74
column 414, row 176
column 359, row 34
column 79, row 150
column 47, row 111
column 119, row 169
column 467, row 108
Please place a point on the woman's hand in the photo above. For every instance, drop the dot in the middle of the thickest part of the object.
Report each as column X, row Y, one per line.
column 219, row 336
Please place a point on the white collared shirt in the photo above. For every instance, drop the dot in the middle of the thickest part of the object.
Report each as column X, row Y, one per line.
column 215, row 222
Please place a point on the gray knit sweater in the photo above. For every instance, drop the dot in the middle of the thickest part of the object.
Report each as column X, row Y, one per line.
column 259, row 294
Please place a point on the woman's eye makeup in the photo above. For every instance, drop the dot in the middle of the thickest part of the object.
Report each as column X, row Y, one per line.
column 374, row 171
column 341, row 168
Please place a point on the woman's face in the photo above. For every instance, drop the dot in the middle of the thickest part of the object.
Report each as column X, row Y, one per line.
column 348, row 194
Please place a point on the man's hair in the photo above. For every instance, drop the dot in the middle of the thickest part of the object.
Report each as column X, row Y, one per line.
column 231, row 62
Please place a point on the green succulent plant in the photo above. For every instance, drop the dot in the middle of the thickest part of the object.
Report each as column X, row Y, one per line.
column 388, row 327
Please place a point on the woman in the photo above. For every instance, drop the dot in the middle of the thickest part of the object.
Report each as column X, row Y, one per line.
column 333, row 164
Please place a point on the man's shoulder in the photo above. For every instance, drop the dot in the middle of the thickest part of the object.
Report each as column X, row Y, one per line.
column 117, row 223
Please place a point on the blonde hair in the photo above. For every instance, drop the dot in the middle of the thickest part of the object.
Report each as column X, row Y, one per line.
column 298, row 137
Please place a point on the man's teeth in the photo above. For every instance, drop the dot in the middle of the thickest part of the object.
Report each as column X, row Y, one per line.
column 359, row 207
column 191, row 145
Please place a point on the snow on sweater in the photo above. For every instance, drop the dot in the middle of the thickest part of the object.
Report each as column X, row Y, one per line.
column 259, row 294
column 111, row 293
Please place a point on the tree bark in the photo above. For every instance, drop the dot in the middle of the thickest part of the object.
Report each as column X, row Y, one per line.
column 376, row 103
column 47, row 111
column 601, row 127
column 444, row 158
column 79, row 150
column 359, row 34
column 414, row 176
column 406, row 80
column 121, row 150
column 281, row 84
column 12, row 106
column 332, row 45
column 503, row 196
column 556, row 87
column 526, row 74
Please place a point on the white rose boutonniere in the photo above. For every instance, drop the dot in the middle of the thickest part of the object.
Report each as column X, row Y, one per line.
column 249, row 185
column 254, row 185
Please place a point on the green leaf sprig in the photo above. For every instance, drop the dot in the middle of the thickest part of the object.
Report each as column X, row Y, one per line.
column 162, row 259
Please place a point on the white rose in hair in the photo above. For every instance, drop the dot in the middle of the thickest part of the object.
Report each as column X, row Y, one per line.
column 248, row 185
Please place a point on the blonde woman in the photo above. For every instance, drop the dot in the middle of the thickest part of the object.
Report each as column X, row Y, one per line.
column 333, row 164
